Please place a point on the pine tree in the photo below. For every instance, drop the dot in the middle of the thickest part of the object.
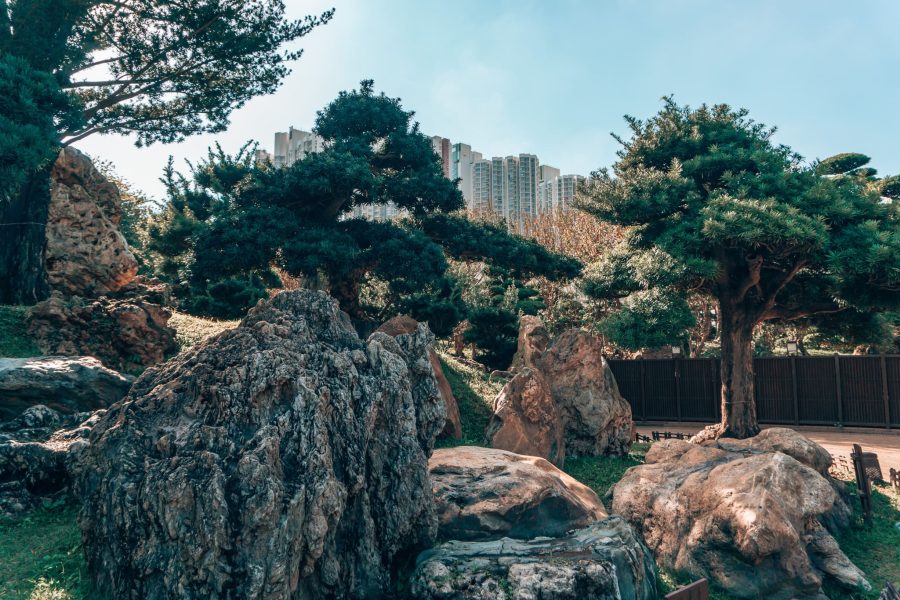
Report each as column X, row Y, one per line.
column 714, row 206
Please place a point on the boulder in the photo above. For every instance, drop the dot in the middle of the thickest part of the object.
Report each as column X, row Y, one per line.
column 405, row 325
column 533, row 341
column 482, row 493
column 746, row 515
column 603, row 561
column 597, row 418
column 128, row 331
column 63, row 383
column 525, row 419
column 285, row 458
column 38, row 453
column 567, row 404
column 86, row 254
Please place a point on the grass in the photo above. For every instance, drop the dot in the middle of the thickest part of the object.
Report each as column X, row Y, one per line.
column 475, row 393
column 41, row 557
column 874, row 548
column 191, row 330
column 14, row 339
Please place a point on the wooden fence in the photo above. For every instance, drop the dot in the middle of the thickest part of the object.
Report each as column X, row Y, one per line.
column 799, row 390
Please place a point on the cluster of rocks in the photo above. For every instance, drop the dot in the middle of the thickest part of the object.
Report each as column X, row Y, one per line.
column 562, row 401
column 99, row 306
column 127, row 330
column 755, row 516
column 517, row 527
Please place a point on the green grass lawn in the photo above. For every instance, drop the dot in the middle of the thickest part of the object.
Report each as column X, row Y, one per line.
column 14, row 339
column 41, row 557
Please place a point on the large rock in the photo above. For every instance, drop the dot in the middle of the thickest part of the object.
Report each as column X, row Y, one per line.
column 405, row 325
column 532, row 343
column 747, row 515
column 65, row 384
column 128, row 331
column 526, row 419
column 482, row 493
column 38, row 452
column 604, row 561
column 86, row 254
column 285, row 458
column 566, row 404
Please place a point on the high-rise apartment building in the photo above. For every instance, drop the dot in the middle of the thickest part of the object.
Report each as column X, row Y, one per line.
column 528, row 183
column 461, row 160
column 441, row 146
column 482, row 186
column 293, row 144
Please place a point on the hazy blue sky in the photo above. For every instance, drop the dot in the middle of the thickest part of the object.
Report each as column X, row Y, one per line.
column 554, row 78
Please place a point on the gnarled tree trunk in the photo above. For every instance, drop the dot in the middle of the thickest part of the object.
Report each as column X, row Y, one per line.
column 738, row 400
column 23, row 238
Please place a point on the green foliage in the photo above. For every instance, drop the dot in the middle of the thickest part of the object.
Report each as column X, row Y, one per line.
column 842, row 163
column 161, row 70
column 714, row 206
column 600, row 473
column 649, row 319
column 14, row 339
column 32, row 106
column 495, row 331
column 231, row 219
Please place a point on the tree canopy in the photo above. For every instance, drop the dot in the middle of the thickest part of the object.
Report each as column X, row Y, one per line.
column 713, row 206
column 231, row 219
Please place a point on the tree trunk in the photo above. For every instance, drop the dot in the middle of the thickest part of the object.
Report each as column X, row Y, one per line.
column 23, row 238
column 738, row 401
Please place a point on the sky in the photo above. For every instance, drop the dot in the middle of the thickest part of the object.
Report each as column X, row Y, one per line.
column 554, row 78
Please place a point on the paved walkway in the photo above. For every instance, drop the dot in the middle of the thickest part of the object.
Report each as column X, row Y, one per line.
column 884, row 442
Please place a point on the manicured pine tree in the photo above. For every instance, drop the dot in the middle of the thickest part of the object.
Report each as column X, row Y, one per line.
column 232, row 218
column 714, row 206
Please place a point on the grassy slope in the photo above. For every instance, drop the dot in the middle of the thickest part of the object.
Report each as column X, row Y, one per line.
column 14, row 339
column 41, row 558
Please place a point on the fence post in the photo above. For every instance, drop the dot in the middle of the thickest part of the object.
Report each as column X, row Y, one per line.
column 837, row 383
column 678, row 386
column 794, row 385
column 884, row 392
column 643, row 391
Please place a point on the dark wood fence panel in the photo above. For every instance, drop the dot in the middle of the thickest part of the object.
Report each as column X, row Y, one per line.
column 660, row 390
column 774, row 385
column 802, row 390
column 892, row 382
column 861, row 390
column 816, row 391
column 699, row 389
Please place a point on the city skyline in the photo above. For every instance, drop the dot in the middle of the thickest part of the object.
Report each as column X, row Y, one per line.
column 834, row 93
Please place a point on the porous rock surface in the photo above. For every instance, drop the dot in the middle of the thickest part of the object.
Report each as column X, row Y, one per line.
column 65, row 384
column 605, row 561
column 405, row 324
column 533, row 341
column 483, row 493
column 285, row 458
column 38, row 453
column 86, row 254
column 127, row 330
column 756, row 516
column 566, row 404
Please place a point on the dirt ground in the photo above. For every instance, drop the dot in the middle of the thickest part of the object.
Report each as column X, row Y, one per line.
column 884, row 442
